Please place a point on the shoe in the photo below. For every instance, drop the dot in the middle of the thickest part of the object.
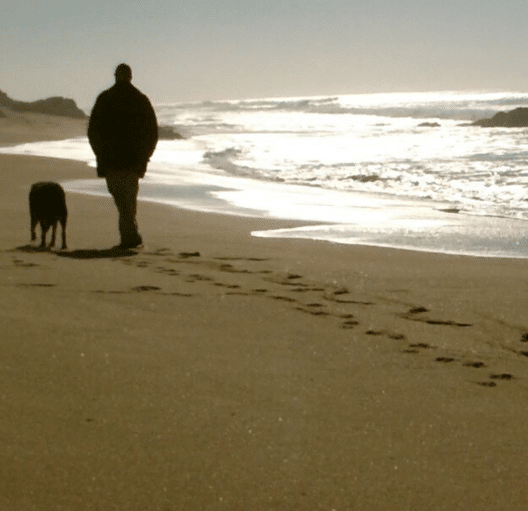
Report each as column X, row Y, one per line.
column 131, row 244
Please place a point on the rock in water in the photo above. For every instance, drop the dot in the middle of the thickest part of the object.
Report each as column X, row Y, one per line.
column 517, row 118
column 168, row 133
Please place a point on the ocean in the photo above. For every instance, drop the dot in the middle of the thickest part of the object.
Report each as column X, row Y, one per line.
column 357, row 169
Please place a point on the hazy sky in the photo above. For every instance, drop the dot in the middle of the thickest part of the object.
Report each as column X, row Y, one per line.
column 193, row 50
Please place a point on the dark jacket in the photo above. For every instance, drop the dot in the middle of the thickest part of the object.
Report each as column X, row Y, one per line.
column 123, row 130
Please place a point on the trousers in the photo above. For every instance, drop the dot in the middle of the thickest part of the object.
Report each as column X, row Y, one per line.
column 124, row 186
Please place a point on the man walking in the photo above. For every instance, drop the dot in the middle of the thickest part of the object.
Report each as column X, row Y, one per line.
column 123, row 133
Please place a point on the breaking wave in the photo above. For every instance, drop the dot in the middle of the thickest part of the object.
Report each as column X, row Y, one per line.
column 445, row 105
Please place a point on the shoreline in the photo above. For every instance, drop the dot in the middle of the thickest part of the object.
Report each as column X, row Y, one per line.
column 352, row 218
column 392, row 223
column 217, row 370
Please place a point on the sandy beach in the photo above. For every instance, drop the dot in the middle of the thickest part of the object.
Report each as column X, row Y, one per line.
column 214, row 370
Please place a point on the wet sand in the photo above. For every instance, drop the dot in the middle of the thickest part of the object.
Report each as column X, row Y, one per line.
column 215, row 370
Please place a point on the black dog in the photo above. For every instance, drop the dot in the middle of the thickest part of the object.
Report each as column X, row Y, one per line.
column 47, row 207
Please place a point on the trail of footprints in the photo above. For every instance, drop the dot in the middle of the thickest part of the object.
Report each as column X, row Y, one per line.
column 309, row 298
column 313, row 299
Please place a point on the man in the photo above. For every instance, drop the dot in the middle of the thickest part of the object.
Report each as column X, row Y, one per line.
column 123, row 133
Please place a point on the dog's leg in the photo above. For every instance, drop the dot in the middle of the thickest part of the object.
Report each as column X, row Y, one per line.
column 63, row 225
column 44, row 230
column 53, row 233
column 33, row 228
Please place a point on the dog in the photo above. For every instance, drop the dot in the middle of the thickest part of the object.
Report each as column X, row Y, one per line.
column 47, row 207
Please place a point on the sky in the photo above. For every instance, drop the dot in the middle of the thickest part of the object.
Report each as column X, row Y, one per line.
column 194, row 50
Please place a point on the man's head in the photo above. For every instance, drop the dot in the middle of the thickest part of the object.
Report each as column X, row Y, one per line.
column 123, row 73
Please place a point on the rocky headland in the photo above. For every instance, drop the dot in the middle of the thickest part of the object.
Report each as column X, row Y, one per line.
column 52, row 106
column 517, row 118
column 61, row 107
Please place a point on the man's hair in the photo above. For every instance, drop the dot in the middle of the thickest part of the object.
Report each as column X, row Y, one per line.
column 123, row 73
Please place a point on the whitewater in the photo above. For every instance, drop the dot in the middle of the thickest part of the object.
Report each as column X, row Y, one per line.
column 393, row 170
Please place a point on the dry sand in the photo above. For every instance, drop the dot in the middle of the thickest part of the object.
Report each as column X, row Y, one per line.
column 213, row 370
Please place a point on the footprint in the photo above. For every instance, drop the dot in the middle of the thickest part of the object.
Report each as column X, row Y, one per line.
column 420, row 345
column 333, row 298
column 444, row 359
column 502, row 376
column 416, row 347
column 197, row 276
column 307, row 289
column 313, row 312
column 351, row 323
column 390, row 335
column 284, row 298
column 22, row 264
column 254, row 259
column 228, row 286
column 227, row 267
column 486, row 383
column 476, row 365
column 185, row 255
column 101, row 292
column 418, row 310
column 442, row 322
column 293, row 276
column 414, row 315
column 172, row 273
column 168, row 271
column 231, row 269
column 146, row 288
column 37, row 285
column 288, row 283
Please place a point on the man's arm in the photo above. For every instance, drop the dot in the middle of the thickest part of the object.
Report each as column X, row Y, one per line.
column 152, row 129
column 94, row 128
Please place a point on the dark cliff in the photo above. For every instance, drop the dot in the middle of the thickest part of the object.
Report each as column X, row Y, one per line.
column 53, row 106
column 517, row 118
